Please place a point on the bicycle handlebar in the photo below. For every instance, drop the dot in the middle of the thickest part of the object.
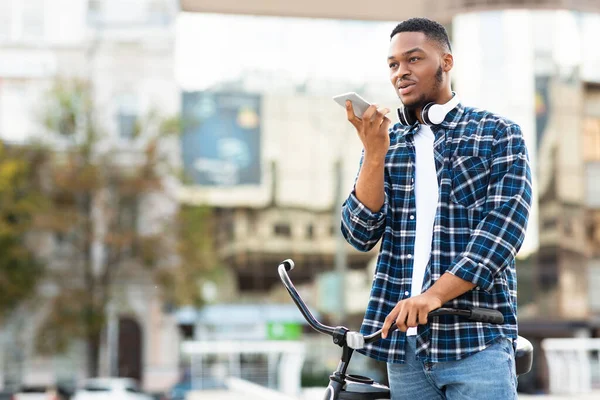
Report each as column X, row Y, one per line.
column 473, row 314
column 283, row 269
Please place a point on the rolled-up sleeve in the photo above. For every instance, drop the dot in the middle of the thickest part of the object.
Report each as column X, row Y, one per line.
column 498, row 237
column 362, row 227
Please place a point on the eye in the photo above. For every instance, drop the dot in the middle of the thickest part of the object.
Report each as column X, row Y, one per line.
column 393, row 65
column 414, row 59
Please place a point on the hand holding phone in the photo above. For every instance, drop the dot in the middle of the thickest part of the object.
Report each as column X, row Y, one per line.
column 374, row 132
column 359, row 105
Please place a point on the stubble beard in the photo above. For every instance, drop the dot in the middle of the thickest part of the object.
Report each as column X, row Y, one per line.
column 424, row 99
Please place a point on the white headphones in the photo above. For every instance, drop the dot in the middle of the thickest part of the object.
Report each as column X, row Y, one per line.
column 432, row 114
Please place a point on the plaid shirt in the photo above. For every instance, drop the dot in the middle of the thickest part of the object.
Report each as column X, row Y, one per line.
column 484, row 201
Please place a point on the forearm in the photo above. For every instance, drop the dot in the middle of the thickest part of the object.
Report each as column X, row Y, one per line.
column 449, row 287
column 498, row 237
column 410, row 312
column 369, row 186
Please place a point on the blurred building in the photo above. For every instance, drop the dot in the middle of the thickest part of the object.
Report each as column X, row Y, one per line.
column 304, row 153
column 533, row 63
column 280, row 156
column 125, row 50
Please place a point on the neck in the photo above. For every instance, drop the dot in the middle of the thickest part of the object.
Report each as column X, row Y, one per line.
column 443, row 97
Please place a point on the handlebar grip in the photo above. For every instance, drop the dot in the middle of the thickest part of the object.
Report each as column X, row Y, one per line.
column 486, row 315
column 288, row 264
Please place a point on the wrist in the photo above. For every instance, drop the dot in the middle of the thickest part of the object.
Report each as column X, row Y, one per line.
column 434, row 299
column 374, row 159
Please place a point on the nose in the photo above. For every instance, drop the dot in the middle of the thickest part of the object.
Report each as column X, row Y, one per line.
column 402, row 72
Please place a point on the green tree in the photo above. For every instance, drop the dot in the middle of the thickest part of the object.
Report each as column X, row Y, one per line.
column 197, row 258
column 21, row 200
column 96, row 192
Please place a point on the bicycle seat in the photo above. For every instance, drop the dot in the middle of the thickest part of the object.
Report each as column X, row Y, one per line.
column 523, row 356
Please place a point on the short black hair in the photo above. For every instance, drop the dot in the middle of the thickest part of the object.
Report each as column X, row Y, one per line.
column 432, row 29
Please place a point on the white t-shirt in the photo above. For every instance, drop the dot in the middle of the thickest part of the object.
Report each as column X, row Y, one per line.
column 426, row 195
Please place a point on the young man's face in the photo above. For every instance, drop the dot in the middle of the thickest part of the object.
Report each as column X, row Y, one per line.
column 417, row 68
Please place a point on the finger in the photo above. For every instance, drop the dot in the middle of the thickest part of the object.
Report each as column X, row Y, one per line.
column 386, row 326
column 389, row 321
column 369, row 112
column 385, row 124
column 354, row 120
column 411, row 318
column 401, row 320
column 380, row 115
column 422, row 318
column 384, row 111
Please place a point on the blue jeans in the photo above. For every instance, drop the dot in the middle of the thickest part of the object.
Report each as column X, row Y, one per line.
column 489, row 374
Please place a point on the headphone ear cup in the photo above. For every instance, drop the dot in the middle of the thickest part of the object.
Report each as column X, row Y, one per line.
column 406, row 117
column 436, row 114
column 401, row 117
column 425, row 114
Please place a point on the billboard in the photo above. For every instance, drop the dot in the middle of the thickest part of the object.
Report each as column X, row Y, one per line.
column 221, row 138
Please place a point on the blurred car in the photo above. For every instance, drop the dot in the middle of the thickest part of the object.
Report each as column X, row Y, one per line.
column 38, row 393
column 110, row 389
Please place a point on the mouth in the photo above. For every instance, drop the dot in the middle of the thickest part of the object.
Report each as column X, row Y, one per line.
column 406, row 87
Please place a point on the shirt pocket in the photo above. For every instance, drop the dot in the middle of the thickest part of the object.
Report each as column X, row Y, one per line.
column 470, row 178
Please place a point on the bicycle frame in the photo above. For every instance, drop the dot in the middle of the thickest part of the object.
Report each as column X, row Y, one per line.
column 354, row 387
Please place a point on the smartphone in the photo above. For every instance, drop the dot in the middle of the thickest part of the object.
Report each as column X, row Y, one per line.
column 359, row 104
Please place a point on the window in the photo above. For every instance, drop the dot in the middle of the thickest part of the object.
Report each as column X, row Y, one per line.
column 187, row 331
column 94, row 12
column 128, row 224
column 228, row 228
column 549, row 223
column 127, row 125
column 94, row 5
column 310, row 231
column 282, row 229
column 252, row 222
column 21, row 19
column 568, row 227
column 594, row 281
column 127, row 119
column 592, row 176
column 33, row 18
column 157, row 12
column 6, row 13
column 547, row 270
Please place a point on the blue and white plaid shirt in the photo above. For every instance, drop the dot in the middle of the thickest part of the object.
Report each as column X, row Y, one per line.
column 484, row 201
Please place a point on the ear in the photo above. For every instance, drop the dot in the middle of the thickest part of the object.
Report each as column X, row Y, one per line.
column 447, row 62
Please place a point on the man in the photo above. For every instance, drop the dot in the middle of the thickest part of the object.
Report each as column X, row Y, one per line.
column 450, row 202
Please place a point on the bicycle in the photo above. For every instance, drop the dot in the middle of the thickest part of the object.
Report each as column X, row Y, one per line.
column 344, row 386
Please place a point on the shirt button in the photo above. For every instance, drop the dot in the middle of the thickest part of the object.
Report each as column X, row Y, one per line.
column 406, row 293
column 409, row 256
column 412, row 217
